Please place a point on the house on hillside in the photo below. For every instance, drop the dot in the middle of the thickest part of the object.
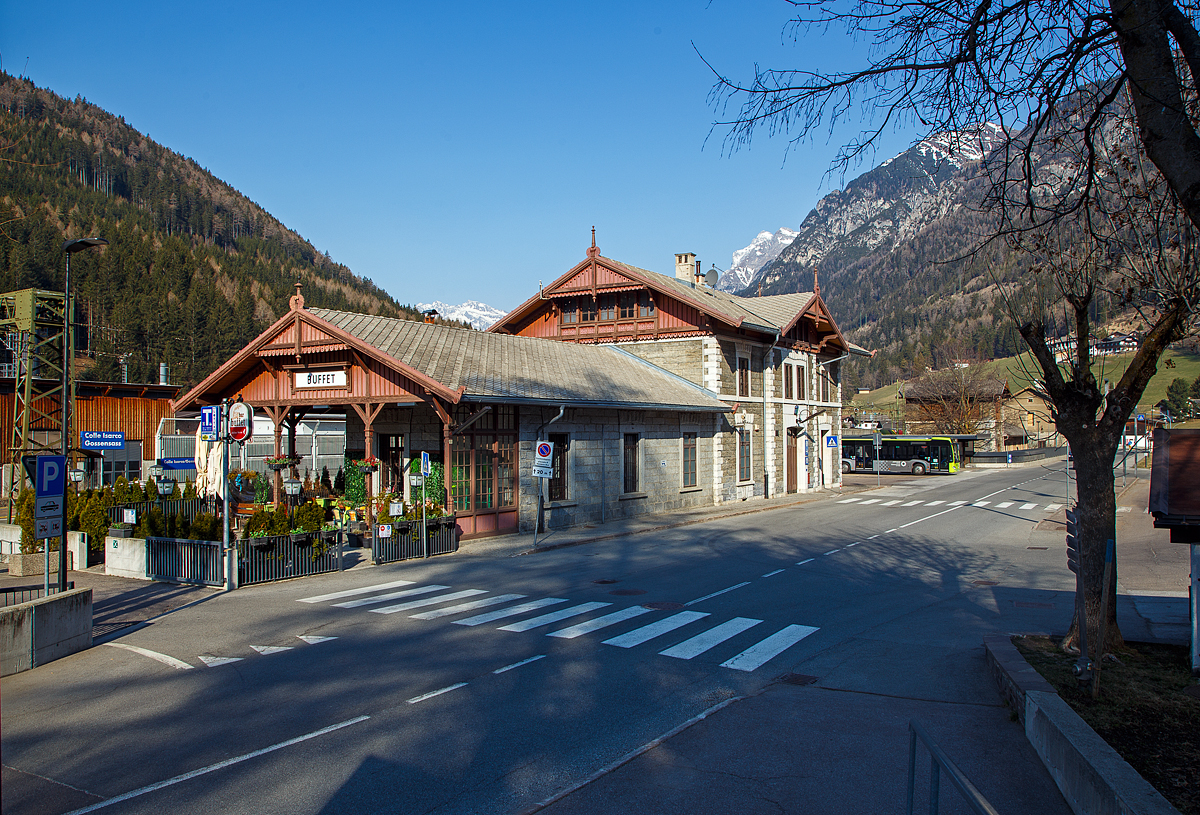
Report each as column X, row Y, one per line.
column 774, row 361
column 958, row 402
column 1028, row 421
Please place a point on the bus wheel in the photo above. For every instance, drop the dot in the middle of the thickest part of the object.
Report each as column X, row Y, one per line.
column 845, row 466
column 918, row 469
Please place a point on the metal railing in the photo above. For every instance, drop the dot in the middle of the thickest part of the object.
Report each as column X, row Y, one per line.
column 405, row 542
column 186, row 507
column 939, row 761
column 14, row 595
column 185, row 561
column 281, row 557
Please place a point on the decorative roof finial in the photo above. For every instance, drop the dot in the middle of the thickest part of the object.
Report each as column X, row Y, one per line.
column 297, row 300
column 593, row 251
column 816, row 284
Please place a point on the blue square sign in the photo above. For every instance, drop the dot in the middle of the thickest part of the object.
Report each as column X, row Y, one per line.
column 51, row 478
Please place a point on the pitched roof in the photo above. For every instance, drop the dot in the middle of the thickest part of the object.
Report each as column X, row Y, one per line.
column 504, row 367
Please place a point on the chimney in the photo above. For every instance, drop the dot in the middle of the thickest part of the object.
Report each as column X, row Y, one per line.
column 685, row 263
column 164, row 377
column 430, row 315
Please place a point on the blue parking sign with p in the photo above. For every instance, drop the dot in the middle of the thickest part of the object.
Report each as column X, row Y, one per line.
column 51, row 476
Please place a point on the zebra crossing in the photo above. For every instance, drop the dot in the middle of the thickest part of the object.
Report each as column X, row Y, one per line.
column 676, row 634
column 1024, row 505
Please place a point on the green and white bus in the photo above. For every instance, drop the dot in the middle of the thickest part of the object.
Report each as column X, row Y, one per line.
column 900, row 454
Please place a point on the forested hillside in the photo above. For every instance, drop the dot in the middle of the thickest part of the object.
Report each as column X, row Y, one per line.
column 193, row 271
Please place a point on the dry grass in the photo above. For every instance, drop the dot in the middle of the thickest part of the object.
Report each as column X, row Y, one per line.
column 1143, row 711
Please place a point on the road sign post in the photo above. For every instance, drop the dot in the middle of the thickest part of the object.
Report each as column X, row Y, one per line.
column 1083, row 666
column 426, row 469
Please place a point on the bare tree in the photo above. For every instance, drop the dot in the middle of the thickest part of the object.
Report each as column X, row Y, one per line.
column 1098, row 175
column 959, row 400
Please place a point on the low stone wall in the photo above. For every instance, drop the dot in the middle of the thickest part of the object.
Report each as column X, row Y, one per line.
column 35, row 563
column 44, row 630
column 1030, row 456
column 1093, row 778
column 125, row 557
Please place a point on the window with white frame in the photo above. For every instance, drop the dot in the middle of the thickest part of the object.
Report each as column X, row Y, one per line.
column 743, row 454
column 689, row 460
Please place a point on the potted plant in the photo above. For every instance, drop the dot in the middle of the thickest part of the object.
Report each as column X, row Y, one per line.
column 120, row 530
column 367, row 465
column 262, row 540
column 278, row 463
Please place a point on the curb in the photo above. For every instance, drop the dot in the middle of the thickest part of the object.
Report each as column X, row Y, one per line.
column 1092, row 777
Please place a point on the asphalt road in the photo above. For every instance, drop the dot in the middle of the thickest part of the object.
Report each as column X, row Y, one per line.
column 372, row 691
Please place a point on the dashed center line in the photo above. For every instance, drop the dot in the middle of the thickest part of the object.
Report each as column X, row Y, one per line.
column 832, row 552
column 716, row 593
column 772, row 574
column 437, row 692
column 519, row 664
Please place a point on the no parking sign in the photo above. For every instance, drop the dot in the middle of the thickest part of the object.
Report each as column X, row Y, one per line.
column 541, row 463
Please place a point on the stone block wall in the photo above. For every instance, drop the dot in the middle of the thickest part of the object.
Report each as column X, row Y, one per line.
column 682, row 357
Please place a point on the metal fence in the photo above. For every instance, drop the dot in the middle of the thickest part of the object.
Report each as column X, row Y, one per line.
column 280, row 557
column 405, row 542
column 13, row 595
column 186, row 507
column 939, row 761
column 185, row 561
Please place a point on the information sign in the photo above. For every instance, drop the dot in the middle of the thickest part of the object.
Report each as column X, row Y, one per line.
column 47, row 527
column 385, row 530
column 178, row 463
column 210, row 422
column 51, row 478
column 425, row 466
column 542, row 467
column 241, row 422
column 102, row 440
column 831, row 441
column 48, row 506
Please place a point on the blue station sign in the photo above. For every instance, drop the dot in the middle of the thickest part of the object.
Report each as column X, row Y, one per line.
column 102, row 440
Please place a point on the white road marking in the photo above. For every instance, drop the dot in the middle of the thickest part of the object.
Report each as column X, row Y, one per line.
column 313, row 639
column 832, row 552
column 848, row 545
column 428, row 601
column 367, row 601
column 656, row 629
column 957, row 503
column 272, row 649
column 890, row 503
column 873, row 537
column 934, row 503
column 218, row 766
column 600, row 622
column 512, row 611
column 849, row 500
column 871, row 501
column 774, row 645
column 716, row 593
column 1052, row 507
column 981, row 503
column 772, row 574
column 1124, row 509
column 437, row 692
column 553, row 617
column 810, row 560
column 155, row 655
column 910, row 504
column 710, row 639
column 1028, row 506
column 519, row 664
column 1005, row 504
column 890, row 531
column 471, row 606
column 320, row 598
column 213, row 662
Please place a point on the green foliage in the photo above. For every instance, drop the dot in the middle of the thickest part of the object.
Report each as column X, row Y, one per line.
column 1178, row 393
column 151, row 489
column 25, row 521
column 258, row 523
column 339, row 482
column 189, row 491
column 262, row 489
column 355, row 484
column 94, row 521
column 325, row 482
column 151, row 524
column 120, row 491
column 206, row 527
column 309, row 517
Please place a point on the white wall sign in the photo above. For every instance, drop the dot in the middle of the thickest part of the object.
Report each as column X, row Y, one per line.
column 320, row 379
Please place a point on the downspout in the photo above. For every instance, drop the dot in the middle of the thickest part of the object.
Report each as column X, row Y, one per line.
column 766, row 475
column 838, row 429
column 541, row 513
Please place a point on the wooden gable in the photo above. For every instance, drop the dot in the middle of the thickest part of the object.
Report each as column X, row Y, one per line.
column 815, row 330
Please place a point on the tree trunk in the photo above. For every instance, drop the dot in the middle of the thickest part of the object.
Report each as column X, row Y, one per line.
column 1094, row 451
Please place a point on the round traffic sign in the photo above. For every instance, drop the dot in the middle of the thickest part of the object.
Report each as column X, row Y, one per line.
column 241, row 422
column 544, row 450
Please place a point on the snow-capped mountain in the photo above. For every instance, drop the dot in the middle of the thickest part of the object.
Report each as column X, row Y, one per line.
column 479, row 315
column 746, row 262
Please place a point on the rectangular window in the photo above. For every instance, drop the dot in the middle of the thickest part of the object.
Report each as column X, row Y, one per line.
column 630, row 483
column 801, row 388
column 587, row 310
column 484, row 461
column 568, row 312
column 558, row 465
column 608, row 307
column 689, row 459
column 628, row 305
column 743, row 376
column 787, row 381
column 124, row 462
column 743, row 454
column 645, row 305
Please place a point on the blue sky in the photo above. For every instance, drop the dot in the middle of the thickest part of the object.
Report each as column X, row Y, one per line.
column 453, row 151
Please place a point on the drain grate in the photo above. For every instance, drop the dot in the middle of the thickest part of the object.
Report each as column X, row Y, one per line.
column 604, row 581
column 798, row 679
column 627, row 592
column 663, row 605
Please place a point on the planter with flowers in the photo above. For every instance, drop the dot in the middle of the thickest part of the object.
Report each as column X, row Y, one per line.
column 367, row 465
column 278, row 463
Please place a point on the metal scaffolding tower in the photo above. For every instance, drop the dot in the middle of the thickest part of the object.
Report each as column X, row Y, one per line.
column 32, row 328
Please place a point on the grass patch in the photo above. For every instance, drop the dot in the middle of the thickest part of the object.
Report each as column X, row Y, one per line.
column 1143, row 712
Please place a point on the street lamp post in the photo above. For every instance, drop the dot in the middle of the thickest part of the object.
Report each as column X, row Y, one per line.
column 70, row 247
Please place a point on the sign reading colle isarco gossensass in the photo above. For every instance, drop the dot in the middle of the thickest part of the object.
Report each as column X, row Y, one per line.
column 320, row 379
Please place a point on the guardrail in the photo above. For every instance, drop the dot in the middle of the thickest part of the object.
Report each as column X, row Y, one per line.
column 13, row 595
column 281, row 557
column 939, row 761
